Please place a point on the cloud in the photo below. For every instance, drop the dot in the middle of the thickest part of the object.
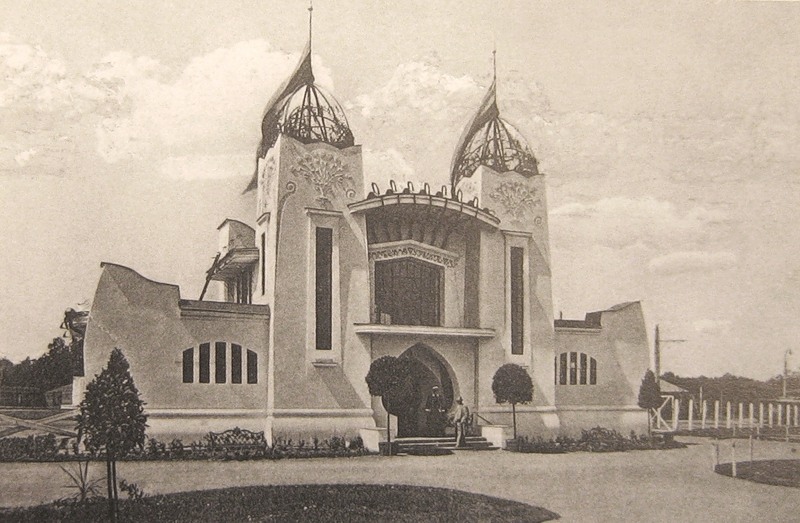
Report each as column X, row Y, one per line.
column 707, row 325
column 205, row 167
column 692, row 261
column 382, row 166
column 620, row 222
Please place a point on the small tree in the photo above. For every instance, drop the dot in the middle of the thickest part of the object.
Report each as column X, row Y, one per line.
column 112, row 419
column 649, row 397
column 392, row 379
column 512, row 384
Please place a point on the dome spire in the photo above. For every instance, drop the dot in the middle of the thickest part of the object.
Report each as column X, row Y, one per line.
column 310, row 14
column 491, row 141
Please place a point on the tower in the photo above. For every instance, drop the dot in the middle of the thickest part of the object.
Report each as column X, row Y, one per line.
column 494, row 165
column 312, row 269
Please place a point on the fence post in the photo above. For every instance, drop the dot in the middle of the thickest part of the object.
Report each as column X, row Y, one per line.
column 760, row 413
column 796, row 419
column 714, row 455
column 780, row 414
column 741, row 415
column 716, row 414
column 751, row 448
column 771, row 410
column 750, row 419
column 728, row 415
column 788, row 415
column 676, row 410
column 704, row 414
column 733, row 458
column 691, row 413
column 787, row 434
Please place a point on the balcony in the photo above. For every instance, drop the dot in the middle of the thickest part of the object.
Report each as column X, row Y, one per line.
column 376, row 329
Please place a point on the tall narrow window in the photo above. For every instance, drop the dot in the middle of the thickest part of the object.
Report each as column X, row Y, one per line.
column 573, row 368
column 205, row 363
column 188, row 366
column 220, row 369
column 236, row 363
column 593, row 372
column 324, row 291
column 562, row 369
column 252, row 367
column 583, row 369
column 263, row 262
column 517, row 300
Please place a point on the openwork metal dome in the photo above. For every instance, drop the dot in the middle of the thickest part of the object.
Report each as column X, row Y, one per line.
column 499, row 146
column 311, row 115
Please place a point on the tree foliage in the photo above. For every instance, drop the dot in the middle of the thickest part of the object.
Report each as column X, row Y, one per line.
column 512, row 384
column 393, row 380
column 112, row 415
column 649, row 392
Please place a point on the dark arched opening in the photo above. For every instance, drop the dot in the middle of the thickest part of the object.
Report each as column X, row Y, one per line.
column 429, row 370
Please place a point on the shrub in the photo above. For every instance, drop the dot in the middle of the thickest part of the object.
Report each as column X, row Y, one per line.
column 597, row 439
column 132, row 490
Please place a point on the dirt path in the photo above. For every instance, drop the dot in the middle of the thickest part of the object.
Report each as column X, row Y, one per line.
column 675, row 485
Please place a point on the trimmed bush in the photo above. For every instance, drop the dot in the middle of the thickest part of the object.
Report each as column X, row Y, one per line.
column 598, row 439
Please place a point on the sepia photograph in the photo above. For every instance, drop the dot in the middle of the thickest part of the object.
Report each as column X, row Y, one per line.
column 362, row 260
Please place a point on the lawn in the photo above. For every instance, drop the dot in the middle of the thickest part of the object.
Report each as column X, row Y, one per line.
column 784, row 472
column 300, row 503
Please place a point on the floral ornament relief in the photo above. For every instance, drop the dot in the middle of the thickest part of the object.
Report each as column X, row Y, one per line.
column 326, row 173
column 516, row 197
column 265, row 184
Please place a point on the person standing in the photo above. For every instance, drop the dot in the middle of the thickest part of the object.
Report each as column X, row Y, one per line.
column 461, row 419
column 434, row 409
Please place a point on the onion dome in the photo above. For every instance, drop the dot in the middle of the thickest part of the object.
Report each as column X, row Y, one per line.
column 304, row 111
column 312, row 115
column 491, row 141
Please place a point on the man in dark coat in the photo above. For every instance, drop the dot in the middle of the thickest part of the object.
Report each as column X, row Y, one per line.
column 435, row 412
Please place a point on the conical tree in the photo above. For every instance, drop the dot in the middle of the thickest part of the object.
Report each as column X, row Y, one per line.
column 112, row 419
column 649, row 397
column 512, row 384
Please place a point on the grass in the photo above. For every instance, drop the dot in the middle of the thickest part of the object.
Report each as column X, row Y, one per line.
column 358, row 503
column 783, row 472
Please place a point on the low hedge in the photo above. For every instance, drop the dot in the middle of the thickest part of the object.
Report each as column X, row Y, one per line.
column 47, row 448
column 598, row 439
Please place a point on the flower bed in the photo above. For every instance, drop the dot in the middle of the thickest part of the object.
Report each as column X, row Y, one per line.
column 598, row 439
column 213, row 446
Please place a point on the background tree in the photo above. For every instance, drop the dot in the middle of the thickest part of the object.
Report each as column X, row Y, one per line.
column 512, row 384
column 112, row 418
column 649, row 397
column 392, row 379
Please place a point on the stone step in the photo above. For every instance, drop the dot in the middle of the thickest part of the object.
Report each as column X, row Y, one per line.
column 473, row 443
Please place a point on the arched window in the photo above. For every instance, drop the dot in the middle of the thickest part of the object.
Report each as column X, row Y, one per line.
column 575, row 368
column 222, row 359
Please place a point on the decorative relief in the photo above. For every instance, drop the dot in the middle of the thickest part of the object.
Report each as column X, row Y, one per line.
column 266, row 176
column 517, row 198
column 411, row 251
column 326, row 173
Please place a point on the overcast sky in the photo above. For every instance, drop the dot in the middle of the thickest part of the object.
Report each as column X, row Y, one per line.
column 668, row 133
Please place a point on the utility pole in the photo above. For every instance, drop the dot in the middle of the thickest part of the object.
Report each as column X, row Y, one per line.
column 657, row 352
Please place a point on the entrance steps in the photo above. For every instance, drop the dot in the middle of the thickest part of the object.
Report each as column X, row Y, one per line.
column 449, row 443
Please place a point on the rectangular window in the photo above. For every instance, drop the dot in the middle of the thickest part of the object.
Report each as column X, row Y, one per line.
column 517, row 300
column 593, row 372
column 205, row 363
column 324, row 287
column 252, row 367
column 408, row 292
column 263, row 262
column 583, row 369
column 236, row 363
column 188, row 366
column 562, row 369
column 573, row 368
column 220, row 359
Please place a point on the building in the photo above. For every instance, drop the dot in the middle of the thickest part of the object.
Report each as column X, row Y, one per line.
column 331, row 275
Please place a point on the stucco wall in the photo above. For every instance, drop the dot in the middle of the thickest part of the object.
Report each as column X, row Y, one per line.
column 143, row 319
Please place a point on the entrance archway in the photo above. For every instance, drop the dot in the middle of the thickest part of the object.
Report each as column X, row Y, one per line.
column 429, row 370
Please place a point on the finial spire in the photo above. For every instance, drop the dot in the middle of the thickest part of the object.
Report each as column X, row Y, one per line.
column 494, row 64
column 310, row 13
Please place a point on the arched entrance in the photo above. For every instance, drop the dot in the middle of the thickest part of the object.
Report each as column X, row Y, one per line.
column 430, row 370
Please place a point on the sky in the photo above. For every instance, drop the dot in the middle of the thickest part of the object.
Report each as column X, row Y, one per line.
column 667, row 132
